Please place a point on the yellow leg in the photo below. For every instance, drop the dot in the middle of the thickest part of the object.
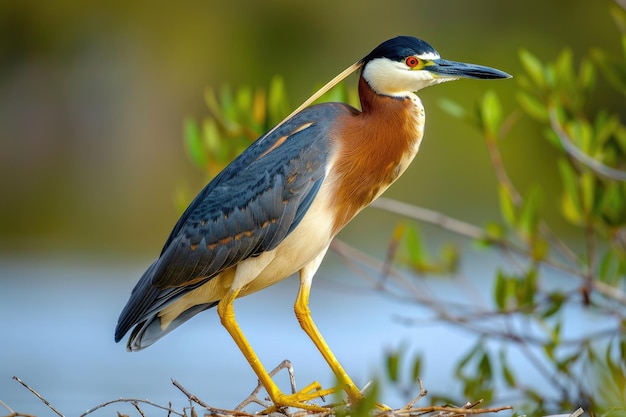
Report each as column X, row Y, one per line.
column 303, row 313
column 227, row 316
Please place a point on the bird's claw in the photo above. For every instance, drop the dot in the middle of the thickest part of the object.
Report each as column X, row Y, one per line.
column 383, row 407
column 300, row 399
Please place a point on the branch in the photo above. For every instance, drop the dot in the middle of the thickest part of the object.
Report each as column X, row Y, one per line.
column 338, row 409
column 134, row 402
column 430, row 216
column 461, row 228
column 591, row 163
column 46, row 402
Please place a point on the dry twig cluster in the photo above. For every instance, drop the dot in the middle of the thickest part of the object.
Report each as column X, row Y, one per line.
column 343, row 409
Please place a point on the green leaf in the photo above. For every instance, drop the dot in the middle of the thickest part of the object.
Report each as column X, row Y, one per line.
column 571, row 204
column 529, row 214
column 533, row 67
column 612, row 72
column 548, row 349
column 212, row 137
column 484, row 366
column 563, row 68
column 259, row 111
column 418, row 255
column 243, row 102
column 450, row 257
column 465, row 359
column 619, row 16
column 553, row 138
column 277, row 102
column 556, row 300
column 586, row 75
column 493, row 233
column 491, row 112
column 507, row 207
column 533, row 107
column 227, row 105
column 539, row 249
column 582, row 135
column 606, row 270
column 555, row 334
column 507, row 373
column 604, row 127
column 500, row 290
column 452, row 108
column 193, row 140
column 587, row 187
column 416, row 369
column 526, row 289
column 393, row 365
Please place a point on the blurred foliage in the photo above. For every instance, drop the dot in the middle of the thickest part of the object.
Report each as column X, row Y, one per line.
column 587, row 370
column 236, row 118
column 528, row 312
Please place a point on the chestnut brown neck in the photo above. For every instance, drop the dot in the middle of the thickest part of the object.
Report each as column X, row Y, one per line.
column 375, row 147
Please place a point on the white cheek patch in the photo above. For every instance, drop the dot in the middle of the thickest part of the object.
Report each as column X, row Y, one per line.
column 392, row 78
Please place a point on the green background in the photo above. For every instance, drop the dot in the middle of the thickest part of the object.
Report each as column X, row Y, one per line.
column 93, row 96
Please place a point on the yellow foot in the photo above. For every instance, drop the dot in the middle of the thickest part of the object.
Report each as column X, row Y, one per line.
column 383, row 407
column 300, row 399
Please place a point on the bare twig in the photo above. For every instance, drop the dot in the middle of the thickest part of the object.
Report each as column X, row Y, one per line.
column 407, row 411
column 212, row 410
column 46, row 402
column 13, row 413
column 447, row 411
column 136, row 405
column 253, row 397
column 133, row 400
column 191, row 397
column 430, row 216
column 421, row 395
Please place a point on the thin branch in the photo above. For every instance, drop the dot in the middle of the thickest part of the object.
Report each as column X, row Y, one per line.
column 503, row 178
column 132, row 400
column 139, row 410
column 13, row 413
column 448, row 411
column 461, row 228
column 191, row 397
column 46, row 402
column 471, row 231
column 430, row 216
column 591, row 163
column 415, row 400
column 609, row 291
column 254, row 395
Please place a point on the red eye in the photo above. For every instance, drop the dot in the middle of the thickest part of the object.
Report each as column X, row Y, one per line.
column 412, row 62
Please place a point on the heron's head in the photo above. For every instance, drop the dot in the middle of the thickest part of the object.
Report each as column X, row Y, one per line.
column 405, row 64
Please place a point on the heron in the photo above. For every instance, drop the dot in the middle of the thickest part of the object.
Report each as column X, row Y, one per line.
column 274, row 210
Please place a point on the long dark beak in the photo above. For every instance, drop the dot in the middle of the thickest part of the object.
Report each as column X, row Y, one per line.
column 451, row 69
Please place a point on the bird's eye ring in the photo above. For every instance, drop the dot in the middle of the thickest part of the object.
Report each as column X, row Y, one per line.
column 412, row 62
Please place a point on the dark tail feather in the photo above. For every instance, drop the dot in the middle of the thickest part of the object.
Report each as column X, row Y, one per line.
column 143, row 307
column 140, row 304
column 149, row 331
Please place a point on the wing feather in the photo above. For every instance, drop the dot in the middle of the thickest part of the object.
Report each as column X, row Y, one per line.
column 249, row 208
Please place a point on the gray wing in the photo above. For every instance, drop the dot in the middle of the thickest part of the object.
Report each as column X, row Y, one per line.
column 249, row 208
